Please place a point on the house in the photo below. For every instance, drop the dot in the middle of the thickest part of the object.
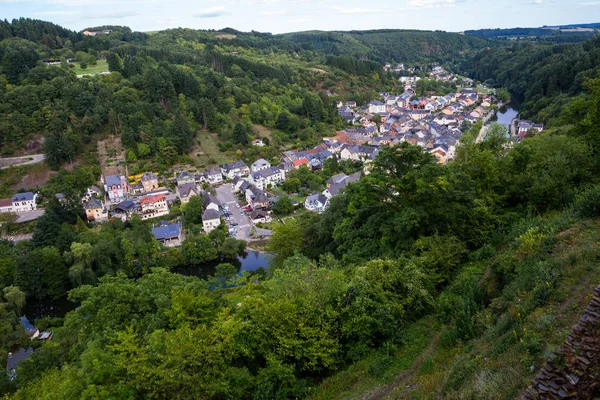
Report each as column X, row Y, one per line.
column 376, row 107
column 256, row 198
column 525, row 126
column 440, row 151
column 168, row 235
column 24, row 202
column 5, row 205
column 210, row 220
column 260, row 164
column 149, row 182
column 316, row 202
column 92, row 191
column 258, row 216
column 153, row 206
column 186, row 191
column 258, row 142
column 116, row 187
column 185, row 177
column 300, row 162
column 123, row 210
column 237, row 168
column 351, row 104
column 266, row 178
column 212, row 176
column 15, row 359
column 210, row 202
column 338, row 182
column 95, row 211
column 237, row 183
column 358, row 153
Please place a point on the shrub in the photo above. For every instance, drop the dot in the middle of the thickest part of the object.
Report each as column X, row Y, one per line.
column 588, row 204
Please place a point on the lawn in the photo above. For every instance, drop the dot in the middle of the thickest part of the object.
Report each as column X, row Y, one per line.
column 102, row 66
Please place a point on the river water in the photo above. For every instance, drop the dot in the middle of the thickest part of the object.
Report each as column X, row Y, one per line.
column 504, row 116
column 250, row 261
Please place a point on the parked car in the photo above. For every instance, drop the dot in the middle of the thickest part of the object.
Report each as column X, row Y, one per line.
column 234, row 224
column 237, row 205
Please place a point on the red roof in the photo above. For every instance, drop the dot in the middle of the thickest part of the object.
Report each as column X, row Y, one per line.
column 5, row 202
column 153, row 199
column 300, row 161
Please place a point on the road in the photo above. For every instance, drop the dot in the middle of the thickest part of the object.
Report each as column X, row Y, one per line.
column 18, row 238
column 244, row 225
column 226, row 196
column 13, row 161
column 26, row 216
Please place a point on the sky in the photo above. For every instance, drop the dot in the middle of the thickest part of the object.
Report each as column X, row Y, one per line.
column 279, row 16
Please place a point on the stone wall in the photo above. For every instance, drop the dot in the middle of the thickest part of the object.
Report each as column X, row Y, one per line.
column 573, row 372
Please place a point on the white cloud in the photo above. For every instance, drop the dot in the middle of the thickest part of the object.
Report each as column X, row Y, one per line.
column 212, row 12
column 297, row 20
column 589, row 3
column 537, row 2
column 356, row 10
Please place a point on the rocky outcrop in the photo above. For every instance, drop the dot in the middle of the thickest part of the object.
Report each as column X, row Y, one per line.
column 574, row 370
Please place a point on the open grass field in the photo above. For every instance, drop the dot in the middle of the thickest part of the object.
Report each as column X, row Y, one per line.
column 92, row 69
column 208, row 150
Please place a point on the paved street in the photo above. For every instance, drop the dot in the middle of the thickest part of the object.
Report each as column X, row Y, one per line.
column 17, row 161
column 226, row 196
column 26, row 216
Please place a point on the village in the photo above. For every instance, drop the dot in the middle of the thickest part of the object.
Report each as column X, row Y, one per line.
column 242, row 196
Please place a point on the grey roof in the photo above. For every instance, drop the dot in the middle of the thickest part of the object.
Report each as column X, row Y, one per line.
column 125, row 206
column 208, row 198
column 93, row 204
column 15, row 358
column 260, row 163
column 234, row 165
column 94, row 189
column 186, row 189
column 265, row 173
column 258, row 214
column 114, row 180
column 149, row 176
column 164, row 232
column 213, row 171
column 184, row 175
column 336, row 188
column 338, row 178
column 23, row 196
column 210, row 214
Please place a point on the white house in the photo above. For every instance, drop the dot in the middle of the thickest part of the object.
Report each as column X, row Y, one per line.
column 210, row 219
column 210, row 202
column 24, row 202
column 376, row 107
column 237, row 168
column 267, row 177
column 260, row 164
column 153, row 206
column 316, row 202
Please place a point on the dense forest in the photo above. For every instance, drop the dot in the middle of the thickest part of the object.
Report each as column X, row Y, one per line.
column 542, row 77
column 465, row 247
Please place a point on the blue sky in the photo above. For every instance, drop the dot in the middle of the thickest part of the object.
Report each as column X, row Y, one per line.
column 279, row 16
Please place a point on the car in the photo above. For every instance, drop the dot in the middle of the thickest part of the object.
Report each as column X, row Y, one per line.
column 237, row 205
column 241, row 213
column 234, row 224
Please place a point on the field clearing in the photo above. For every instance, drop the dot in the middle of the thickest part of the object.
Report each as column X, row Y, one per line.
column 92, row 69
column 208, row 152
column 225, row 36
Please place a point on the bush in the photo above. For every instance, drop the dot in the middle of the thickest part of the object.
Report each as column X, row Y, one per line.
column 588, row 204
column 83, row 65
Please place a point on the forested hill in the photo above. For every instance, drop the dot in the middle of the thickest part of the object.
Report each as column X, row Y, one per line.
column 542, row 77
column 389, row 45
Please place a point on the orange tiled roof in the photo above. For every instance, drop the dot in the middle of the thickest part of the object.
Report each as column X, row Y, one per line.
column 153, row 199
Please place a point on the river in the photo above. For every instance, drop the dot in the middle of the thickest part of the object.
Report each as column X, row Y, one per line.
column 504, row 116
column 250, row 261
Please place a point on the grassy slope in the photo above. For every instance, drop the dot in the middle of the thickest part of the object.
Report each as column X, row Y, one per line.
column 514, row 338
column 102, row 66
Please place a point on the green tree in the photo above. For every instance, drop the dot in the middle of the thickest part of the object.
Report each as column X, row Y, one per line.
column 192, row 213
column 283, row 206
